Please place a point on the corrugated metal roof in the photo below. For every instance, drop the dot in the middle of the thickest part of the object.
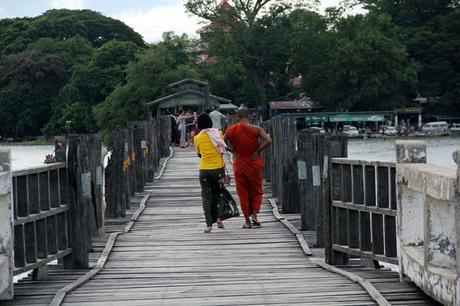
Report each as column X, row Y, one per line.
column 189, row 91
column 188, row 80
column 297, row 104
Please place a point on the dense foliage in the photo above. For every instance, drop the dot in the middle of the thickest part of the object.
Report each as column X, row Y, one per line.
column 55, row 67
column 79, row 71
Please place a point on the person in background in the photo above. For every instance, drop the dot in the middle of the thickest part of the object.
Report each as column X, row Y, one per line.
column 216, row 117
column 197, row 130
column 193, row 127
column 182, row 127
column 210, row 145
column 190, row 121
column 244, row 139
column 174, row 131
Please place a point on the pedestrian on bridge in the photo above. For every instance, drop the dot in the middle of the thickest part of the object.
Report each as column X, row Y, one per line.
column 182, row 127
column 210, row 146
column 244, row 139
column 217, row 117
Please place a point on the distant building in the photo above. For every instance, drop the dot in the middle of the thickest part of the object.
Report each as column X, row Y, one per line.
column 425, row 109
column 302, row 105
column 217, row 25
column 190, row 95
column 213, row 26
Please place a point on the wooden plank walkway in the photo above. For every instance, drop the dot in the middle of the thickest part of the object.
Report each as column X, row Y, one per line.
column 166, row 259
column 386, row 281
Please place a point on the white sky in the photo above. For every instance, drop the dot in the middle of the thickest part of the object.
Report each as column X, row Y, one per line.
column 153, row 22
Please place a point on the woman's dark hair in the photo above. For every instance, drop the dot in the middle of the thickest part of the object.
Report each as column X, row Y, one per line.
column 204, row 121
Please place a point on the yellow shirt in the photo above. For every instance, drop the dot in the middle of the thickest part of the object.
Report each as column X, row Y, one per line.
column 210, row 157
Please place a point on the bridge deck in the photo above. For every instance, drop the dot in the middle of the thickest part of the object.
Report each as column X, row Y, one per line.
column 166, row 259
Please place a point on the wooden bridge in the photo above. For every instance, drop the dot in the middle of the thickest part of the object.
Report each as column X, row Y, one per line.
column 153, row 251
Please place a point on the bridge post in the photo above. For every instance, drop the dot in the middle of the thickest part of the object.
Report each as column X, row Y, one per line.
column 80, row 190
column 336, row 146
column 266, row 154
column 456, row 157
column 410, row 152
column 60, row 148
column 428, row 224
column 284, row 184
column 6, row 227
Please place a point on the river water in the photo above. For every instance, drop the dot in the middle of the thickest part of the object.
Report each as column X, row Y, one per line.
column 439, row 151
column 27, row 156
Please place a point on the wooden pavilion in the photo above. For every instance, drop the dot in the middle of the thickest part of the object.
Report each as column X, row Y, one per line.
column 190, row 95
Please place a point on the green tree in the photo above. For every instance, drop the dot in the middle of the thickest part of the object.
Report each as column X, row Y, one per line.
column 431, row 32
column 93, row 52
column 16, row 34
column 232, row 81
column 410, row 12
column 254, row 34
column 73, row 51
column 147, row 79
column 90, row 84
column 240, row 11
column 365, row 67
column 28, row 83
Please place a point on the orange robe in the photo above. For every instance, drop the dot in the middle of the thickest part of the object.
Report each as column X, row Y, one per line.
column 244, row 139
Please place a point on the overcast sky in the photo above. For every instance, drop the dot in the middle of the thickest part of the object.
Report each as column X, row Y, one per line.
column 148, row 17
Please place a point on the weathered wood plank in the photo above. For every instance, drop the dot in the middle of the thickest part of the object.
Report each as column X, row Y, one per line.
column 165, row 259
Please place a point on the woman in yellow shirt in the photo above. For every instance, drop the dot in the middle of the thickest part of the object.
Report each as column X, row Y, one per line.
column 212, row 171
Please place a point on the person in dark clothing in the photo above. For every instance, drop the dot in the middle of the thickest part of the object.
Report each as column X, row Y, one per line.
column 174, row 131
column 212, row 170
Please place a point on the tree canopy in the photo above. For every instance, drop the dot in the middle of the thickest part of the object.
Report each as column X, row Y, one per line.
column 80, row 71
column 57, row 66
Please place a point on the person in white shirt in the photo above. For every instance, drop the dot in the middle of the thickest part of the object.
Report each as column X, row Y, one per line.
column 216, row 117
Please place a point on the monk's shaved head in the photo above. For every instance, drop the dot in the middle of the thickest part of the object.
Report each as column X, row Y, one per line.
column 242, row 113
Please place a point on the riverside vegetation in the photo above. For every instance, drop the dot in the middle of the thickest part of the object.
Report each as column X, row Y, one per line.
column 79, row 71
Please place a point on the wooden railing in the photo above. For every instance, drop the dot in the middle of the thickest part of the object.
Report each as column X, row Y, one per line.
column 58, row 208
column 363, row 209
column 41, row 216
column 136, row 153
column 350, row 204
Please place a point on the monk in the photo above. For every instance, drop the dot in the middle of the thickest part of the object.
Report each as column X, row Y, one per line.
column 244, row 141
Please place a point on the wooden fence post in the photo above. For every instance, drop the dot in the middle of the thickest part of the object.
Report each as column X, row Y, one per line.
column 113, row 209
column 266, row 155
column 165, row 135
column 95, row 162
column 132, row 163
column 155, row 142
column 150, row 151
column 6, row 227
column 285, row 160
column 136, row 153
column 79, row 175
column 315, row 151
column 137, row 157
column 311, row 152
column 60, row 147
column 336, row 146
column 125, row 187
